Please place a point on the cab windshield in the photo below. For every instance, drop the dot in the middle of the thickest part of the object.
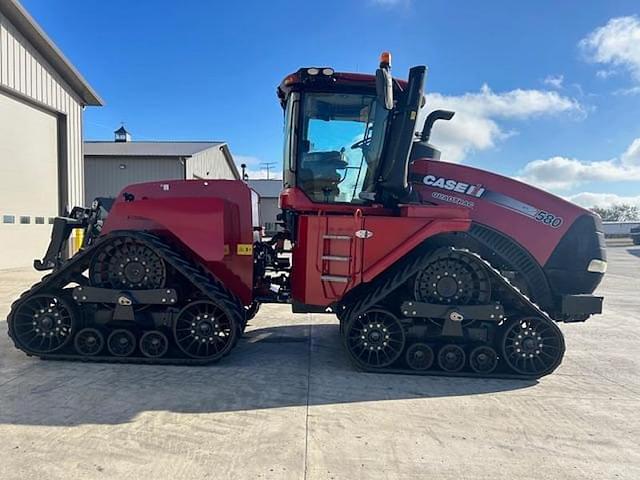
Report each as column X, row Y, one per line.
column 339, row 146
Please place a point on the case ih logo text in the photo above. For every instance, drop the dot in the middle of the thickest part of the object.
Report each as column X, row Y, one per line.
column 453, row 185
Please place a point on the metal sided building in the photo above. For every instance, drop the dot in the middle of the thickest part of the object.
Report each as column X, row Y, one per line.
column 41, row 162
column 269, row 192
column 111, row 166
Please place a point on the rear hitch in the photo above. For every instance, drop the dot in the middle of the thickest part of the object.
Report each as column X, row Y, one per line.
column 62, row 228
column 88, row 219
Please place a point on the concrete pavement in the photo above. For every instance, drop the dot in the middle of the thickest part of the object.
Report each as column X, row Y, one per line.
column 286, row 404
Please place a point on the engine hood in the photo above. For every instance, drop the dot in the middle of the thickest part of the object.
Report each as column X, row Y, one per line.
column 534, row 218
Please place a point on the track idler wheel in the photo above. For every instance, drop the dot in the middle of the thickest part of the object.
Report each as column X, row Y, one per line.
column 451, row 358
column 42, row 324
column 205, row 330
column 483, row 360
column 154, row 344
column 121, row 343
column 374, row 339
column 532, row 346
column 89, row 342
column 419, row 356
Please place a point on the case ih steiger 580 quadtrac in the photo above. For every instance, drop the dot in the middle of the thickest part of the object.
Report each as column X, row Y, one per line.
column 431, row 267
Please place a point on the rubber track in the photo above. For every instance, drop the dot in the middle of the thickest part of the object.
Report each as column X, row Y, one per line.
column 76, row 265
column 409, row 266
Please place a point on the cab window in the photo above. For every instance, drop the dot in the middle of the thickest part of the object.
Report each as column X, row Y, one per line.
column 339, row 147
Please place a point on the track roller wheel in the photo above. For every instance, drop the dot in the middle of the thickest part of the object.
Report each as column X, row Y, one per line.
column 483, row 359
column 89, row 342
column 121, row 343
column 419, row 356
column 533, row 346
column 374, row 339
column 127, row 263
column 42, row 324
column 205, row 329
column 451, row 358
column 154, row 344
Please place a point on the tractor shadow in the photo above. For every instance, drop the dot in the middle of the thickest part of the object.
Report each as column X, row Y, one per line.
column 270, row 368
column 634, row 251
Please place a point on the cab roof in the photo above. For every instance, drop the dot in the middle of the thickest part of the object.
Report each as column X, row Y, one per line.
column 337, row 80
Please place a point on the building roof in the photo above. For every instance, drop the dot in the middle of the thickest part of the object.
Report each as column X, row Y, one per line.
column 147, row 149
column 34, row 34
column 266, row 188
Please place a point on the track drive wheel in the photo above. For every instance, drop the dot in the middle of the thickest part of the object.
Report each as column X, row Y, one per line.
column 204, row 329
column 127, row 263
column 89, row 342
column 532, row 346
column 42, row 324
column 453, row 278
column 374, row 339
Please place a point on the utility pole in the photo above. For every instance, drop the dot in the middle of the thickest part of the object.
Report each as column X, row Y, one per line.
column 268, row 166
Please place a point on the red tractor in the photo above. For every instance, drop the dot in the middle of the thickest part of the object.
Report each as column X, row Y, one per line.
column 431, row 267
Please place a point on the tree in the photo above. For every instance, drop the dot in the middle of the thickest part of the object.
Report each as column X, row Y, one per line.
column 618, row 213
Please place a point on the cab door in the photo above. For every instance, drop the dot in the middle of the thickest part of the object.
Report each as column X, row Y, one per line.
column 327, row 257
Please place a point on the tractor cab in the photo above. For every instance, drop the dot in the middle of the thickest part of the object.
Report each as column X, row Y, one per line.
column 334, row 136
column 348, row 136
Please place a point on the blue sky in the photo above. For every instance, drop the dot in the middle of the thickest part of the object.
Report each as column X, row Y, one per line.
column 547, row 91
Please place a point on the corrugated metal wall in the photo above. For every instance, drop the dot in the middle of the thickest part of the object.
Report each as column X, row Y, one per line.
column 269, row 209
column 104, row 176
column 210, row 163
column 23, row 72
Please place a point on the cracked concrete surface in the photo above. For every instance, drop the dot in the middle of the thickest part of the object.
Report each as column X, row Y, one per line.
column 287, row 404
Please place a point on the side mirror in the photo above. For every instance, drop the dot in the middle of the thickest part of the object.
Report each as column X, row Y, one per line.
column 384, row 87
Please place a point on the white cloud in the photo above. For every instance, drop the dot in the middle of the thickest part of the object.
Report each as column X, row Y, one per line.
column 631, row 156
column 476, row 123
column 628, row 91
column 562, row 173
column 256, row 167
column 616, row 44
column 604, row 74
column 554, row 81
column 590, row 199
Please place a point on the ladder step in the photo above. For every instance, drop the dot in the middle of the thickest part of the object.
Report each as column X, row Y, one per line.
column 334, row 278
column 336, row 237
column 335, row 258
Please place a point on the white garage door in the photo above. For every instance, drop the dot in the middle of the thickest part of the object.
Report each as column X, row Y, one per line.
column 28, row 181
